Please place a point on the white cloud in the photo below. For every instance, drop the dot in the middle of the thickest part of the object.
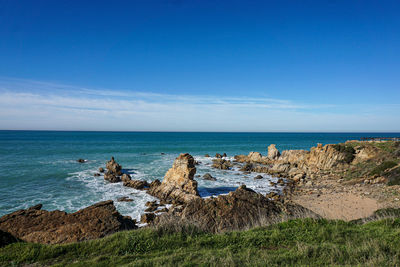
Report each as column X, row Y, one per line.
column 28, row 104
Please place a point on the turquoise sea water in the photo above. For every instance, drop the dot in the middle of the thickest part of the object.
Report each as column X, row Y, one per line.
column 40, row 166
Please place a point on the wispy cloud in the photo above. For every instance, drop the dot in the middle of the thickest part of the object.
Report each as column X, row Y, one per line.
column 26, row 104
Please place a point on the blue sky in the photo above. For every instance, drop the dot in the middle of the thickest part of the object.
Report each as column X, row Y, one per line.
column 200, row 65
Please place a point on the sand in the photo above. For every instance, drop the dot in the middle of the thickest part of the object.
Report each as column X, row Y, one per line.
column 344, row 206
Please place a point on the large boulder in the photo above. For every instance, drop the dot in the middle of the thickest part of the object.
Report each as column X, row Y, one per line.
column 221, row 164
column 114, row 171
column 178, row 184
column 273, row 152
column 236, row 210
column 114, row 167
column 53, row 227
column 137, row 184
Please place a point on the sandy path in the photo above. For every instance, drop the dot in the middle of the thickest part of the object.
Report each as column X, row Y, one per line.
column 344, row 206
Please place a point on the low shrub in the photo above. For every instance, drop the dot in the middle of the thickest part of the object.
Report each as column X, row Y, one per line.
column 347, row 150
column 380, row 169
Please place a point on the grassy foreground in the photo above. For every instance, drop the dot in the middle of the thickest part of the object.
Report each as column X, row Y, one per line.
column 295, row 242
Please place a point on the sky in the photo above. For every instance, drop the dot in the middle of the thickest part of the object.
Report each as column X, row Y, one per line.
column 263, row 66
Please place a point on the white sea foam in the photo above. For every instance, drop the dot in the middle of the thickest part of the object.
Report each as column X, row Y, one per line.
column 99, row 190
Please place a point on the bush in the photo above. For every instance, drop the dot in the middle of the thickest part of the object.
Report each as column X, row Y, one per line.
column 348, row 152
column 379, row 170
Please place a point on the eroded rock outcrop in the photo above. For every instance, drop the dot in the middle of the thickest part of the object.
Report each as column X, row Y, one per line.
column 296, row 163
column 114, row 171
column 273, row 152
column 178, row 185
column 236, row 210
column 54, row 227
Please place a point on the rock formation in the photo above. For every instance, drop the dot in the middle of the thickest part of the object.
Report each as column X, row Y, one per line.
column 236, row 210
column 53, row 227
column 178, row 184
column 114, row 171
column 137, row 184
column 273, row 152
column 221, row 164
column 209, row 177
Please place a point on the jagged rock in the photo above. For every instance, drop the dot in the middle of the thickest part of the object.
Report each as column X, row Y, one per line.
column 6, row 239
column 208, row 177
column 124, row 199
column 248, row 167
column 218, row 156
column 224, row 155
column 96, row 174
column 151, row 209
column 114, row 167
column 235, row 210
column 221, row 164
column 101, row 169
column 137, row 184
column 53, row 227
column 178, row 184
column 147, row 217
column 255, row 156
column 240, row 158
column 273, row 152
column 162, row 210
column 206, row 156
column 151, row 203
column 81, row 160
column 155, row 183
column 281, row 181
column 111, row 177
column 258, row 177
column 125, row 177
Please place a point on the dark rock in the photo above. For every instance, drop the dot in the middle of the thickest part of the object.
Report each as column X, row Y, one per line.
column 150, row 203
column 246, row 167
column 151, row 209
column 162, row 153
column 208, row 177
column 155, row 183
column 6, row 239
column 124, row 199
column 125, row 177
column 162, row 210
column 111, row 177
column 206, row 155
column 258, row 177
column 53, row 227
column 101, row 169
column 224, row 155
column 96, row 174
column 137, row 184
column 81, row 160
column 236, row 210
column 114, row 167
column 147, row 217
column 218, row 156
column 221, row 164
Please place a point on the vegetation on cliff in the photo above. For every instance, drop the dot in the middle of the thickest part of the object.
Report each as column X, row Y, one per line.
column 295, row 242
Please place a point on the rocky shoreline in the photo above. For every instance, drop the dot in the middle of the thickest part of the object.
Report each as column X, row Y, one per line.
column 317, row 183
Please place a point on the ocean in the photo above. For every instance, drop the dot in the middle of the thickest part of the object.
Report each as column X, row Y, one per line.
column 41, row 166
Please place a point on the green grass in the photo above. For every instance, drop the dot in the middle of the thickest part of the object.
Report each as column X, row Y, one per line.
column 295, row 242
